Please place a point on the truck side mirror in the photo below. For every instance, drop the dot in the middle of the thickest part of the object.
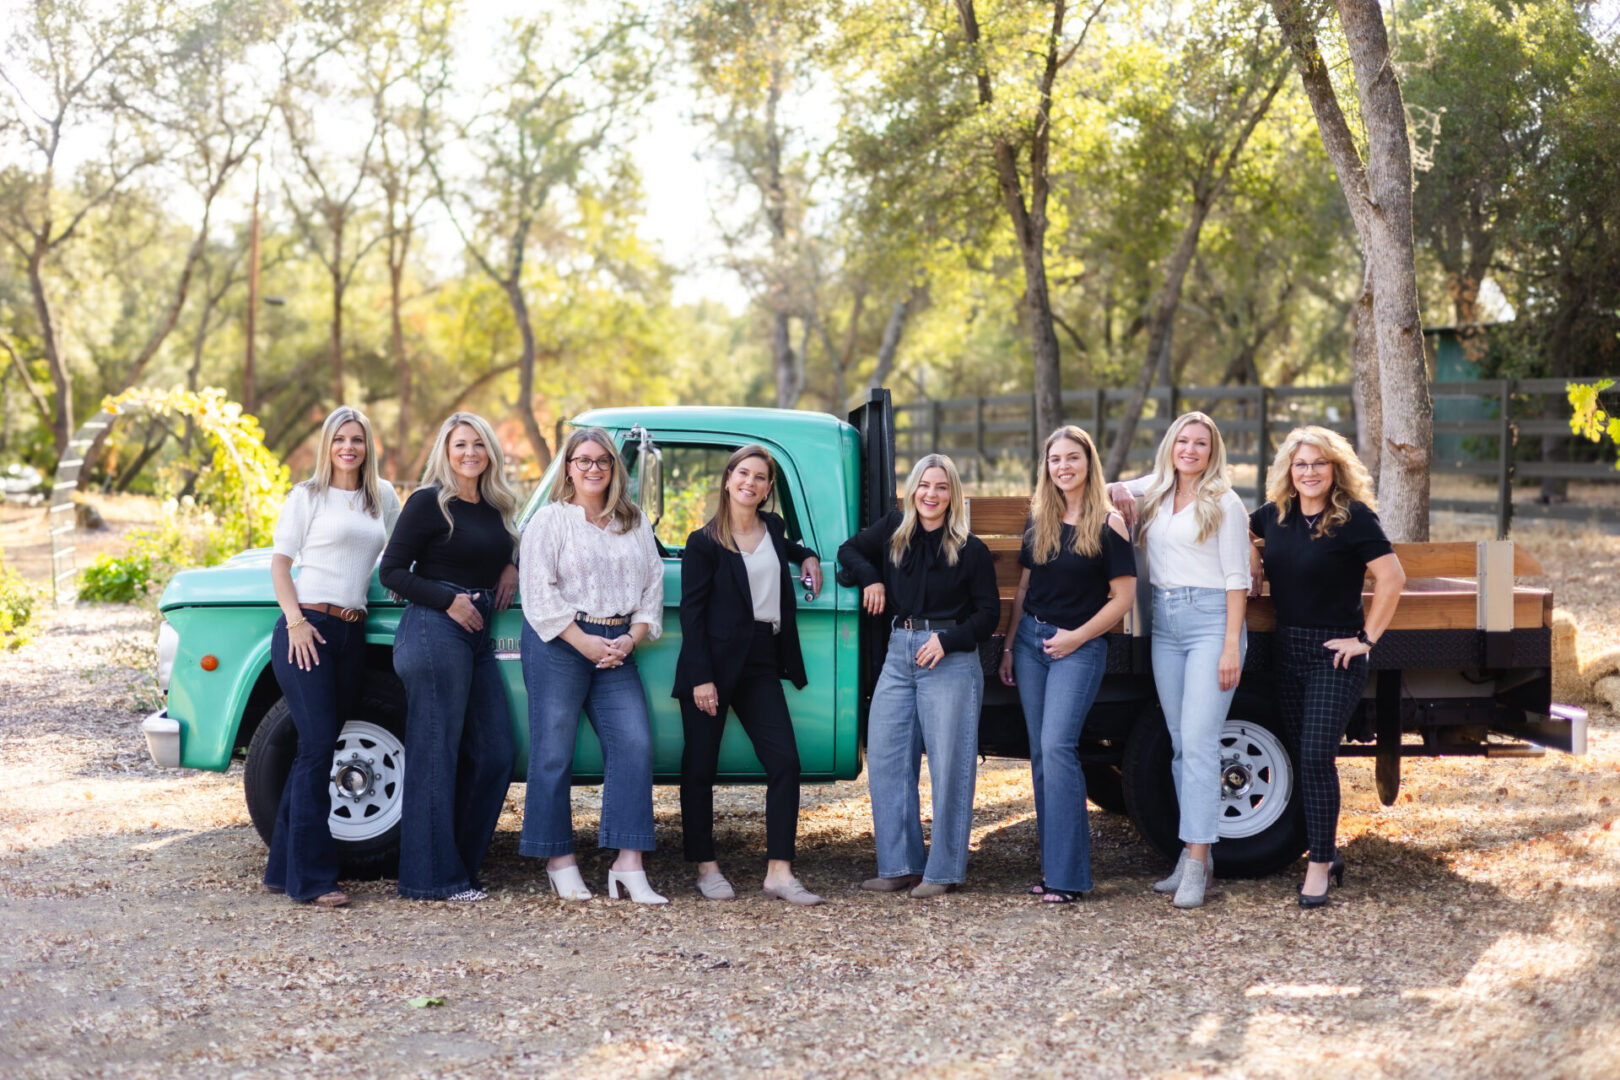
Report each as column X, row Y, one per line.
column 649, row 475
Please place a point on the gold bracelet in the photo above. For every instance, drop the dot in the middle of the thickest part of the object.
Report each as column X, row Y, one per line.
column 302, row 619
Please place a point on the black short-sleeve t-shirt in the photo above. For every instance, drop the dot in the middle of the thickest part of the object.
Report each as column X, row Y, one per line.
column 1071, row 588
column 1316, row 580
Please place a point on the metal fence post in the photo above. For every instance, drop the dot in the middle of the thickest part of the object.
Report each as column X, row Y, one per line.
column 1504, row 463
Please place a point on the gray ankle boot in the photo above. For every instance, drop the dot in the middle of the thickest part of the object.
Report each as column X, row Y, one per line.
column 1190, row 893
column 1170, row 883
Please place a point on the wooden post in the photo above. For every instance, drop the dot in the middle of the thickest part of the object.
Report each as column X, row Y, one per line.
column 933, row 427
column 249, row 398
column 978, row 438
column 1262, row 445
column 1099, row 419
column 1504, row 463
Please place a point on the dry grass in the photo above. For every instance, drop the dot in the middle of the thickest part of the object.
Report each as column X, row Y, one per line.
column 1477, row 934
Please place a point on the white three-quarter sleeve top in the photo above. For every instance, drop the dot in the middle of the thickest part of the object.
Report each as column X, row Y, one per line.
column 566, row 566
column 1177, row 560
column 333, row 542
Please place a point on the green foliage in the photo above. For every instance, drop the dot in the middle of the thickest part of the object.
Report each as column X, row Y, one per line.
column 18, row 598
column 240, row 484
column 1590, row 419
column 117, row 579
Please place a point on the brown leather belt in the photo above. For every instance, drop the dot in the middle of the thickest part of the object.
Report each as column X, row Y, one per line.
column 344, row 613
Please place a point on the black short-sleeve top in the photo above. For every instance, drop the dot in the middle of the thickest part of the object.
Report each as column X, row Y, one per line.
column 1070, row 589
column 1316, row 580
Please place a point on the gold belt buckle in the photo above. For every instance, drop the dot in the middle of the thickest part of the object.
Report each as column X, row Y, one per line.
column 352, row 615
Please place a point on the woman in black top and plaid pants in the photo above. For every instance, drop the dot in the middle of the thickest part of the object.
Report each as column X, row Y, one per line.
column 1322, row 538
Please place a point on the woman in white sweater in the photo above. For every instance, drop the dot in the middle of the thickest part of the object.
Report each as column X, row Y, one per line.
column 1195, row 530
column 333, row 526
column 593, row 590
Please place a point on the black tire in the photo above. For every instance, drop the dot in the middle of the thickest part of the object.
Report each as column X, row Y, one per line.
column 1105, row 785
column 1253, row 734
column 366, row 850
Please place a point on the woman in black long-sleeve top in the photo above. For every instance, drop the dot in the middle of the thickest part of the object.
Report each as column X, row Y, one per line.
column 921, row 566
column 739, row 640
column 451, row 558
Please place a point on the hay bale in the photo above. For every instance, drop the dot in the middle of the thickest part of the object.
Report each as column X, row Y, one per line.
column 1607, row 689
column 1569, row 685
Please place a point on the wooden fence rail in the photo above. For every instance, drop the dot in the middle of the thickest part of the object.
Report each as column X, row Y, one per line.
column 1477, row 425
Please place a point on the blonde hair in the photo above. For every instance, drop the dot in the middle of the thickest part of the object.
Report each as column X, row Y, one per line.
column 321, row 480
column 622, row 513
column 1351, row 481
column 1211, row 485
column 492, row 485
column 1047, row 507
column 719, row 527
column 956, row 527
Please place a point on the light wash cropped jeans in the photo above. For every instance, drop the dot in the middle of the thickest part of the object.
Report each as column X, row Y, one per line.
column 1189, row 632
column 1056, row 696
column 916, row 709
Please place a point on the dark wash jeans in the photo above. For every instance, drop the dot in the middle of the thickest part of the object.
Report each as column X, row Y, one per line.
column 303, row 857
column 458, row 749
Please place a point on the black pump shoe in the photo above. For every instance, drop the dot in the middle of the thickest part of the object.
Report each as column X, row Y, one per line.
column 1316, row 900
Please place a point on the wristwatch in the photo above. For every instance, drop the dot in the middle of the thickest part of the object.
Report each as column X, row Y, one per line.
column 1361, row 636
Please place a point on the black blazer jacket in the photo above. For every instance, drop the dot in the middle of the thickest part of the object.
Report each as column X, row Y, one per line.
column 717, row 612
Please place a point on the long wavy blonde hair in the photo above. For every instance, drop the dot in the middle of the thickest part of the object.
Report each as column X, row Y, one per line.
column 719, row 526
column 956, row 526
column 492, row 485
column 1207, row 491
column 321, row 481
column 620, row 511
column 1047, row 507
column 1351, row 481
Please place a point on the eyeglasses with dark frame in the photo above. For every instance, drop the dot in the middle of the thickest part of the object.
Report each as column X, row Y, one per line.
column 591, row 464
column 1310, row 466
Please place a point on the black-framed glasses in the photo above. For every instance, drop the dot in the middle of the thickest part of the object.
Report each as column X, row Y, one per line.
column 591, row 464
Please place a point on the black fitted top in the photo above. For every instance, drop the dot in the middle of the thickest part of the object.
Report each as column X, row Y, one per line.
column 1316, row 580
column 1070, row 589
column 423, row 552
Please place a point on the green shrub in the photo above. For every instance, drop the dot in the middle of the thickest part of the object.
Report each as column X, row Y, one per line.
column 117, row 579
column 17, row 599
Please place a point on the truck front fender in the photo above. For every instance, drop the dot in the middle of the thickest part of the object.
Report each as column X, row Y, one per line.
column 209, row 703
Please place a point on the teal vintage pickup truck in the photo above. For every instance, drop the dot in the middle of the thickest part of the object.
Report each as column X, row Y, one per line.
column 1464, row 670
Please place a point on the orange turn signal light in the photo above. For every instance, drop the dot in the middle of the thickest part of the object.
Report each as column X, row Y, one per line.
column 210, row 662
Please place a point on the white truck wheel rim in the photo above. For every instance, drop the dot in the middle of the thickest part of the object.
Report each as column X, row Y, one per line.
column 1257, row 780
column 367, row 780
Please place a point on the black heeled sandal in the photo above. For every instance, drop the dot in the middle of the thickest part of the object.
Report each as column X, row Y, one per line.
column 1050, row 895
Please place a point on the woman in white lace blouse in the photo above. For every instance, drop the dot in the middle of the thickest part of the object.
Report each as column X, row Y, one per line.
column 593, row 590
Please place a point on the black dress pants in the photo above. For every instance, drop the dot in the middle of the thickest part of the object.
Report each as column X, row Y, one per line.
column 761, row 706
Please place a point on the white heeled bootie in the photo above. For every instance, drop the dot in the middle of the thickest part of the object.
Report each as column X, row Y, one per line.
column 635, row 886
column 567, row 883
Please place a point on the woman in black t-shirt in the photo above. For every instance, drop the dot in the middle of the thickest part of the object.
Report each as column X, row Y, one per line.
column 935, row 582
column 1322, row 539
column 1079, row 578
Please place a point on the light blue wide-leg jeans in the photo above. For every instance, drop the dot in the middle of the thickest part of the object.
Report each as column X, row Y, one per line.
column 916, row 709
column 1189, row 632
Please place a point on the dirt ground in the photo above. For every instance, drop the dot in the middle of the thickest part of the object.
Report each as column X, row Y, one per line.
column 1476, row 934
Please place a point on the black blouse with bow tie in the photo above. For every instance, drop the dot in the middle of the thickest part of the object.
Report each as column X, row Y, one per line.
column 924, row 585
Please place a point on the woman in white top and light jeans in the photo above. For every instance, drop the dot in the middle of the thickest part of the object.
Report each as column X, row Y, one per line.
column 1195, row 530
column 593, row 589
column 334, row 526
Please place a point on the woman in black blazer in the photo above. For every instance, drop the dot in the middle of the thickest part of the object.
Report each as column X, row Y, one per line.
column 739, row 640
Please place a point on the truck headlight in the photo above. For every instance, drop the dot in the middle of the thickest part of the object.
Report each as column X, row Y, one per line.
column 168, row 644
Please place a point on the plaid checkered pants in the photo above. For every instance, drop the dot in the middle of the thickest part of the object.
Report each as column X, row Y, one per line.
column 1317, row 701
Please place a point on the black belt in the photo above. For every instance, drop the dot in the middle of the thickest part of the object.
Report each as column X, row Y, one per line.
column 925, row 625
